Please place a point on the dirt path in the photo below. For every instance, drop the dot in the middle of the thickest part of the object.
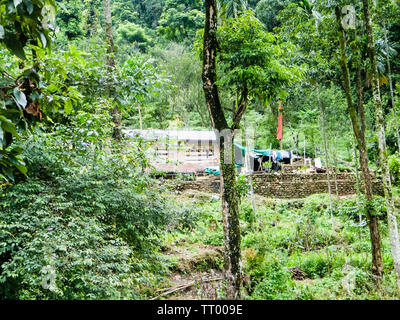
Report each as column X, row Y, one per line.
column 197, row 273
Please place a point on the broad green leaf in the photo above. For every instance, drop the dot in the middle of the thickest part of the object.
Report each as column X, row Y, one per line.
column 11, row 6
column 29, row 6
column 2, row 140
column 17, row 151
column 8, row 126
column 43, row 39
column 52, row 87
column 20, row 97
column 18, row 163
column 1, row 32
column 14, row 45
column 68, row 106
column 8, row 172
column 17, row 3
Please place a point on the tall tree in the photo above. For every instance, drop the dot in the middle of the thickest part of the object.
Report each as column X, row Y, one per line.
column 111, row 65
column 109, row 33
column 359, row 133
column 385, row 13
column 389, row 70
column 252, row 66
column 231, row 8
column 323, row 125
column 229, row 199
column 380, row 127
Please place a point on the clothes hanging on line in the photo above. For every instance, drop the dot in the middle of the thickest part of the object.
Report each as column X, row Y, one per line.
column 318, row 163
column 279, row 131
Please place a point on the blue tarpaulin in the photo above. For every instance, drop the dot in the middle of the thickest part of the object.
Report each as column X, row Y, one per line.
column 263, row 152
column 239, row 161
column 215, row 172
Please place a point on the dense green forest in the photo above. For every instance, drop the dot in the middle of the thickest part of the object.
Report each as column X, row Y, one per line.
column 83, row 214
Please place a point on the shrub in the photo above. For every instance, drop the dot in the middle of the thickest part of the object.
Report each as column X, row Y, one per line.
column 275, row 283
column 243, row 187
column 94, row 227
column 131, row 33
column 315, row 265
column 394, row 167
column 247, row 213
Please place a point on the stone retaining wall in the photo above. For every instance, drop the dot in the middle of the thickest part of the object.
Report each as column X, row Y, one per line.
column 287, row 185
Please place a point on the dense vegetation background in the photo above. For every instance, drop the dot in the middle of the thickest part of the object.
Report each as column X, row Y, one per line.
column 76, row 202
column 165, row 33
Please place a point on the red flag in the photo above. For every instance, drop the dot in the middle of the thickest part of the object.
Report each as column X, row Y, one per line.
column 279, row 132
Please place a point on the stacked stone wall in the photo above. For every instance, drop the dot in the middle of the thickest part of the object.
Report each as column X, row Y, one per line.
column 287, row 185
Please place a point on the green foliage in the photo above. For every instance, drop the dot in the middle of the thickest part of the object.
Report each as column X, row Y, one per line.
column 336, row 266
column 274, row 286
column 271, row 280
column 131, row 33
column 34, row 90
column 315, row 265
column 95, row 222
column 180, row 21
column 251, row 60
column 356, row 207
column 231, row 8
column 81, row 208
column 247, row 214
column 267, row 11
column 26, row 22
column 394, row 166
column 179, row 99
column 243, row 186
column 22, row 23
column 148, row 11
column 70, row 18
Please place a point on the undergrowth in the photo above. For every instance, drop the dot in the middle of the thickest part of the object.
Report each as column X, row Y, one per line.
column 286, row 234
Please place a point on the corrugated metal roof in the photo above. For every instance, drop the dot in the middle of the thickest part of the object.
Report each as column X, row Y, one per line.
column 180, row 135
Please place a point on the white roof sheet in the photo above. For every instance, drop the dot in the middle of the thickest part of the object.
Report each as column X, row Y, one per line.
column 181, row 135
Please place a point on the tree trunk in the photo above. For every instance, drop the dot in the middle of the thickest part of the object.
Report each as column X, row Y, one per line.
column 321, row 109
column 250, row 173
column 336, row 164
column 358, row 188
column 140, row 117
column 380, row 127
column 373, row 221
column 92, row 20
column 229, row 199
column 358, row 184
column 117, row 135
column 109, row 33
column 230, row 214
column 391, row 88
column 359, row 133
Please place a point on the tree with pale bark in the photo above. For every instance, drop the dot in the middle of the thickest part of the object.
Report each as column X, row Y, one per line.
column 250, row 60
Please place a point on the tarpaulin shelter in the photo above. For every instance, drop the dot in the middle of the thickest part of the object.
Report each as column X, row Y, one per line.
column 256, row 156
column 282, row 156
column 244, row 149
column 213, row 171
